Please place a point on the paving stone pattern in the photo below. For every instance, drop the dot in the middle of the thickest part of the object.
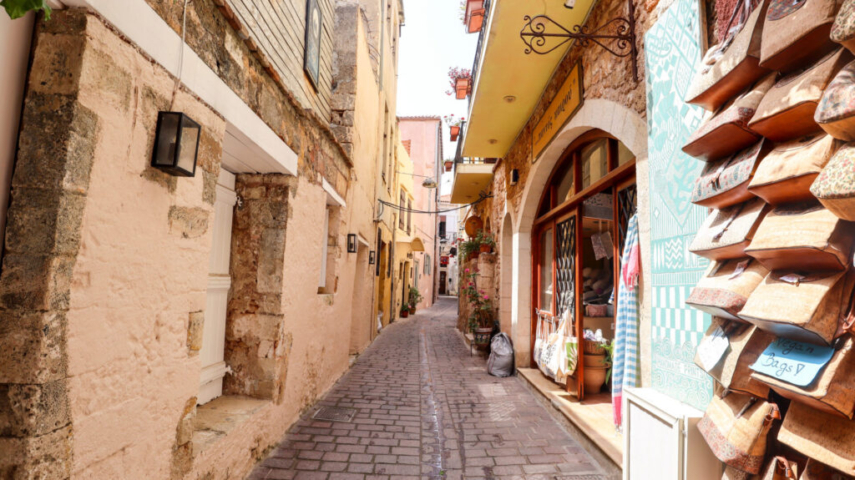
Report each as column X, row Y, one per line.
column 425, row 408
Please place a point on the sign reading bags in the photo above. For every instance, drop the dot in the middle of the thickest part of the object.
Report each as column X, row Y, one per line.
column 793, row 362
column 565, row 104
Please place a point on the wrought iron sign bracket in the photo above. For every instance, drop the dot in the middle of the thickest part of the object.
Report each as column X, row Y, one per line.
column 542, row 36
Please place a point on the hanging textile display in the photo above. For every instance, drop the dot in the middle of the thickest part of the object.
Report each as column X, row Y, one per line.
column 625, row 366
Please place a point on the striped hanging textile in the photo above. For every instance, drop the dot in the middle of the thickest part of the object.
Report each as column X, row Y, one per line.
column 625, row 361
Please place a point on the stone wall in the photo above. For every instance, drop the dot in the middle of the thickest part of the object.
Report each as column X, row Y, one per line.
column 486, row 280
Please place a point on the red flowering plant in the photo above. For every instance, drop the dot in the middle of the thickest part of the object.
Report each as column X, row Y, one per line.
column 453, row 121
column 454, row 74
column 482, row 305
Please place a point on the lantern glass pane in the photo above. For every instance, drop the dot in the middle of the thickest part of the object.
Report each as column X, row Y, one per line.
column 167, row 136
column 189, row 143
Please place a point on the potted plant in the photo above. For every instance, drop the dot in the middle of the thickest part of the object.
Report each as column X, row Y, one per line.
column 487, row 244
column 415, row 298
column 470, row 249
column 460, row 80
column 473, row 15
column 598, row 362
column 454, row 125
column 448, row 164
column 481, row 320
column 405, row 312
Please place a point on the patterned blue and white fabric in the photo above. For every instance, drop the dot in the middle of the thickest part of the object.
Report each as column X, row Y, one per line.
column 625, row 358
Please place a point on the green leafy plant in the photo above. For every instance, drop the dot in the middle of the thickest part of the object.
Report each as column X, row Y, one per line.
column 469, row 247
column 18, row 8
column 609, row 347
column 415, row 297
column 482, row 305
column 484, row 238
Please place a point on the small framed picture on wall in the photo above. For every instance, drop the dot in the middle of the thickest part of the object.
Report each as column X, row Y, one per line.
column 312, row 52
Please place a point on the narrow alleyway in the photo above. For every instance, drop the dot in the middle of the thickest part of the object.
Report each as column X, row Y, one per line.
column 422, row 407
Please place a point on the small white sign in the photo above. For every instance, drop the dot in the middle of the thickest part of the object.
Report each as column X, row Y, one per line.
column 712, row 348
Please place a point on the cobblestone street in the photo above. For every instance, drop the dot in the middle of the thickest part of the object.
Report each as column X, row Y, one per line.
column 424, row 408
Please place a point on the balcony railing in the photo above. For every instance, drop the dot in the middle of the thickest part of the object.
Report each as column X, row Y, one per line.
column 478, row 48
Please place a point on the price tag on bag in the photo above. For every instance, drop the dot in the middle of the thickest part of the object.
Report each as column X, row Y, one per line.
column 740, row 269
column 793, row 362
column 712, row 348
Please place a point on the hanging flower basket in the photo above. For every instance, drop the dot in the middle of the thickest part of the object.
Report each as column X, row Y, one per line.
column 455, row 132
column 475, row 20
column 460, row 80
column 448, row 164
column 461, row 87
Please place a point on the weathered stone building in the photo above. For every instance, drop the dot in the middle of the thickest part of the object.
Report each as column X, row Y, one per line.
column 156, row 326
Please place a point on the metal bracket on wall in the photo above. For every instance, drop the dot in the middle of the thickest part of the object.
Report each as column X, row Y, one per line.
column 539, row 32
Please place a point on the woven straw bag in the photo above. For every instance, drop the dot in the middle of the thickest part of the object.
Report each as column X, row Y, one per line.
column 788, row 171
column 836, row 110
column 796, row 31
column 817, row 471
column 779, row 468
column 735, row 427
column 821, row 436
column 787, row 110
column 725, row 182
column 843, row 29
column 727, row 232
column 727, row 131
column 724, row 289
column 731, row 66
column 832, row 389
column 802, row 237
column 835, row 186
column 733, row 371
column 808, row 309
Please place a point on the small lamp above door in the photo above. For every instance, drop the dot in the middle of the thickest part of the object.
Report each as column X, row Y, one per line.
column 176, row 144
column 351, row 243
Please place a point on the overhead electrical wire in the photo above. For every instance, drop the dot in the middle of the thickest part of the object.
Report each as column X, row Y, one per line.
column 403, row 209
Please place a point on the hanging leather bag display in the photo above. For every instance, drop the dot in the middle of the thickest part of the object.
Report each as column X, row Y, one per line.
column 843, row 29
column 831, row 390
column 836, row 110
column 796, row 31
column 806, row 308
column 787, row 110
column 821, row 436
column 724, row 289
column 788, row 171
column 745, row 343
column 725, row 182
column 736, row 428
column 727, row 131
column 727, row 232
column 802, row 237
column 835, row 185
column 817, row 471
column 731, row 66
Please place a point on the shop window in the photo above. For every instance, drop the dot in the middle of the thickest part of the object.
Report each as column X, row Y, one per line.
column 566, row 184
column 595, row 162
column 546, row 270
column 625, row 155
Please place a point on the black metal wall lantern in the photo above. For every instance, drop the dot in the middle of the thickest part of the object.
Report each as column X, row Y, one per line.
column 176, row 144
column 543, row 35
column 351, row 243
column 371, row 257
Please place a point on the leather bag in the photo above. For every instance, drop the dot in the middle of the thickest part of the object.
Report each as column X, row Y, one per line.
column 831, row 391
column 725, row 182
column 726, row 286
column 821, row 436
column 727, row 131
column 779, row 468
column 807, row 308
column 843, row 29
column 733, row 65
column 787, row 110
column 788, row 171
column 802, row 237
column 835, row 185
column 733, row 371
column 817, row 471
column 836, row 110
column 727, row 232
column 795, row 31
column 736, row 428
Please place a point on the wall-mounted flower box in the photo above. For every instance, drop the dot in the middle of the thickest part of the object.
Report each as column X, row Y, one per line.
column 473, row 15
column 460, row 80
column 455, row 132
column 448, row 164
column 461, row 87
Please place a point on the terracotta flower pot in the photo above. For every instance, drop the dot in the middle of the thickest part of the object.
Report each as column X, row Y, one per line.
column 486, row 248
column 595, row 378
column 405, row 313
column 448, row 164
column 482, row 336
column 594, row 361
column 476, row 19
column 462, row 87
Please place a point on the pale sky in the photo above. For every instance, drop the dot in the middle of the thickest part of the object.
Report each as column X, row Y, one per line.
column 433, row 39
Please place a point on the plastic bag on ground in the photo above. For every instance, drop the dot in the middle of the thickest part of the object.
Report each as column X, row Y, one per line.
column 501, row 361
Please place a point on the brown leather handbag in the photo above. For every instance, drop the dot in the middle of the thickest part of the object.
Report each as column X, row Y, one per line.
column 835, row 185
column 836, row 110
column 843, row 29
column 802, row 237
column 832, row 389
column 796, row 31
column 725, row 182
column 736, row 428
column 787, row 110
column 726, row 286
column 817, row 471
column 788, row 171
column 731, row 66
column 824, row 437
column 733, row 371
column 727, row 232
column 727, row 131
column 808, row 308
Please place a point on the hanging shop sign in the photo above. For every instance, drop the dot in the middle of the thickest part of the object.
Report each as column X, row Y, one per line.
column 566, row 103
